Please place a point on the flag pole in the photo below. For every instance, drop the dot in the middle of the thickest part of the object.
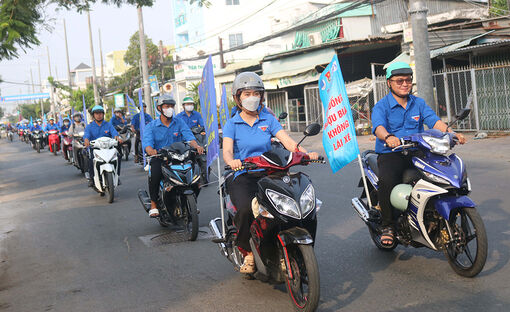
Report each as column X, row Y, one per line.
column 221, row 198
column 364, row 182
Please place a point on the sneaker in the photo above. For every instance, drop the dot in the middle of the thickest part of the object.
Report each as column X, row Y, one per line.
column 87, row 175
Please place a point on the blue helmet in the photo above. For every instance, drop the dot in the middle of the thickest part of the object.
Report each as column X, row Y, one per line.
column 97, row 109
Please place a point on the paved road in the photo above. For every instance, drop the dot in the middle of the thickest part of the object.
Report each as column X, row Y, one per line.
column 66, row 249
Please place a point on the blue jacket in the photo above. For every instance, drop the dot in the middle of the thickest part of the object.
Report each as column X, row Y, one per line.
column 51, row 127
column 94, row 131
column 157, row 135
column 115, row 121
column 36, row 127
column 195, row 119
column 136, row 120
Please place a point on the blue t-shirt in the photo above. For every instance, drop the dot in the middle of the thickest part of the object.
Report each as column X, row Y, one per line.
column 94, row 131
column 195, row 119
column 116, row 121
column 157, row 135
column 65, row 128
column 136, row 120
column 51, row 127
column 251, row 140
column 36, row 127
column 401, row 121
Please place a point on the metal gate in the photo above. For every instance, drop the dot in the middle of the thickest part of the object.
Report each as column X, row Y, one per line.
column 297, row 115
column 313, row 105
column 278, row 103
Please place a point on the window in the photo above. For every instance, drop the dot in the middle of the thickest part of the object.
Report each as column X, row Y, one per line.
column 232, row 2
column 235, row 40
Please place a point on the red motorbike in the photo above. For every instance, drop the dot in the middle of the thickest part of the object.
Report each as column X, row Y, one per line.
column 20, row 134
column 53, row 141
column 67, row 146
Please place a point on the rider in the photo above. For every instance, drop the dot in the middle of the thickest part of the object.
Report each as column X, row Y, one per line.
column 66, row 124
column 162, row 132
column 50, row 126
column 248, row 134
column 35, row 126
column 396, row 115
column 135, row 127
column 97, row 129
column 189, row 115
column 119, row 120
column 77, row 127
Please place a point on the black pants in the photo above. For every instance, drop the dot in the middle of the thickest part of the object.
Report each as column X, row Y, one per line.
column 155, row 175
column 242, row 190
column 137, row 145
column 90, row 161
column 391, row 169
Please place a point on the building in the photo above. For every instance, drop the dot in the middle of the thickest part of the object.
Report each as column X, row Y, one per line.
column 115, row 65
column 81, row 76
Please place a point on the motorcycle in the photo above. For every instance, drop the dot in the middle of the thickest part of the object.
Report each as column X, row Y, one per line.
column 431, row 207
column 67, row 146
column 105, row 166
column 125, row 136
column 201, row 138
column 38, row 140
column 283, row 232
column 178, row 189
column 10, row 135
column 21, row 135
column 78, row 149
column 27, row 136
column 53, row 141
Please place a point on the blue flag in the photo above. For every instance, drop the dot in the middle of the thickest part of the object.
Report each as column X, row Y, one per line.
column 207, row 94
column 142, row 120
column 84, row 109
column 72, row 115
column 31, row 123
column 224, row 113
column 131, row 106
column 156, row 112
column 44, row 122
column 60, row 121
column 339, row 133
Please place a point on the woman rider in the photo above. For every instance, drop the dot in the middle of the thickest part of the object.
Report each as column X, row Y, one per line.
column 248, row 134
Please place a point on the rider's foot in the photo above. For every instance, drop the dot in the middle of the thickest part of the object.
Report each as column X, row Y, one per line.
column 248, row 266
column 387, row 236
column 154, row 212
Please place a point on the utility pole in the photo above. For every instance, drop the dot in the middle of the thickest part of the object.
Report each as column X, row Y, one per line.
column 94, row 78
column 101, row 55
column 418, row 13
column 67, row 58
column 145, row 66
column 40, row 86
column 161, row 60
column 52, row 96
column 32, row 81
column 222, row 61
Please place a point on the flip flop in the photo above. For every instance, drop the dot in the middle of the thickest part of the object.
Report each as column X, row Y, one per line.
column 154, row 213
column 387, row 237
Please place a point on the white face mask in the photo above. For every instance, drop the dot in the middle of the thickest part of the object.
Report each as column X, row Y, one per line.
column 251, row 103
column 66, row 124
column 168, row 112
column 189, row 108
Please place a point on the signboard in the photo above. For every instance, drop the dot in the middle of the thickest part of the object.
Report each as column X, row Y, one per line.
column 119, row 100
column 153, row 80
column 24, row 97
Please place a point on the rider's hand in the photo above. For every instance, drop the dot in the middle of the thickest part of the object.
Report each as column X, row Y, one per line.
column 313, row 155
column 235, row 164
column 200, row 150
column 151, row 151
column 392, row 142
column 86, row 143
column 202, row 133
column 461, row 138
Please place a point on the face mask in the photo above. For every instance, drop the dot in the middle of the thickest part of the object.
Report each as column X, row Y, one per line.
column 66, row 124
column 251, row 103
column 168, row 112
column 189, row 108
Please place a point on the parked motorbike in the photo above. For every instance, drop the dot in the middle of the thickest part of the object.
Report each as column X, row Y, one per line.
column 179, row 189
column 201, row 138
column 38, row 140
column 432, row 208
column 125, row 136
column 105, row 166
column 67, row 146
column 79, row 160
column 53, row 141
column 283, row 232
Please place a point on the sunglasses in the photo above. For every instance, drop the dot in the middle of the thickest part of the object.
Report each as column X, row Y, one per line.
column 402, row 80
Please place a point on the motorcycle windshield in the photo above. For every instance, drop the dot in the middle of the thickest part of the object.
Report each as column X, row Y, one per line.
column 278, row 156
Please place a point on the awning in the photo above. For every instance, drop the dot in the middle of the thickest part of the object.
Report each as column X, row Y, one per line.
column 455, row 46
column 290, row 78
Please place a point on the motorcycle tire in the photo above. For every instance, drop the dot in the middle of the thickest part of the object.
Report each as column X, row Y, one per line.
column 82, row 164
column 38, row 147
column 476, row 233
column 191, row 219
column 109, row 187
column 304, row 288
column 126, row 154
column 54, row 149
column 377, row 240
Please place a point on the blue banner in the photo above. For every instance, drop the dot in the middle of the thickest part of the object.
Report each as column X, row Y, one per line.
column 84, row 109
column 31, row 123
column 60, row 121
column 339, row 133
column 44, row 122
column 224, row 113
column 131, row 106
column 72, row 115
column 142, row 121
column 207, row 94
column 24, row 97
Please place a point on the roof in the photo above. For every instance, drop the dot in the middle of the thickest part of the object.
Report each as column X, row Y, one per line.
column 455, row 46
column 82, row 66
column 488, row 45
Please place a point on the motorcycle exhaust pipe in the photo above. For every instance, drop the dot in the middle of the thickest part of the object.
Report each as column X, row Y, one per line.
column 144, row 200
column 360, row 209
column 217, row 234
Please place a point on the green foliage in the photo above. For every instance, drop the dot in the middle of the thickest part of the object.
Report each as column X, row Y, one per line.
column 76, row 100
column 193, row 92
column 1, row 112
column 499, row 7
column 34, row 110
column 132, row 56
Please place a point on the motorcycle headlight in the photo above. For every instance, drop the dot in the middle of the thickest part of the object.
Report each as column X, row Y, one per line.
column 438, row 145
column 284, row 204
column 434, row 178
column 180, row 157
column 307, row 201
column 81, row 133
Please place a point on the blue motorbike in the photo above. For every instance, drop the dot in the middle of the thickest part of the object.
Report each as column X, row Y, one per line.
column 431, row 207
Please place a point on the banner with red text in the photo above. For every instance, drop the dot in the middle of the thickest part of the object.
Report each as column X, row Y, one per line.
column 339, row 133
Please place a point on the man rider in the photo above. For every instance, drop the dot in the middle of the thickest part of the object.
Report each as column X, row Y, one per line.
column 35, row 126
column 50, row 126
column 189, row 115
column 77, row 127
column 119, row 120
column 396, row 115
column 97, row 129
column 66, row 124
column 159, row 133
column 135, row 127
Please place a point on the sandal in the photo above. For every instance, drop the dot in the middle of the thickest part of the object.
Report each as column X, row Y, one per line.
column 248, row 266
column 154, row 213
column 387, row 236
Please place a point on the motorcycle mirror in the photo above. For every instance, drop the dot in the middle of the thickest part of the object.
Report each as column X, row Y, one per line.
column 463, row 113
column 283, row 115
column 312, row 129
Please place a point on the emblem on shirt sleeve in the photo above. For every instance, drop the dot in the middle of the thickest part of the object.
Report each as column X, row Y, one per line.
column 417, row 117
column 176, row 133
column 263, row 128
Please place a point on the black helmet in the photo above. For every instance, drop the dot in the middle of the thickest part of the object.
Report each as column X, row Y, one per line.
column 247, row 81
column 166, row 99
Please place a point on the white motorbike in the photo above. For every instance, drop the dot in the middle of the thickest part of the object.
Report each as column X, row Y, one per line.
column 105, row 166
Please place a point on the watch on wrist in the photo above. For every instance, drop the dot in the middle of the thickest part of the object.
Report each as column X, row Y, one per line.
column 387, row 136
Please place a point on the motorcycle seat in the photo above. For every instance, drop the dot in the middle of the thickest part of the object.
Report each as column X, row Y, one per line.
column 371, row 160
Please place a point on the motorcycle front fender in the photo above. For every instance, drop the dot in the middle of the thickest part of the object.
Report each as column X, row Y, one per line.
column 106, row 168
column 445, row 205
column 295, row 236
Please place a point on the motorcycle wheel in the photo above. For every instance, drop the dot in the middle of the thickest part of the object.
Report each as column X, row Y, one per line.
column 54, row 149
column 191, row 218
column 38, row 147
column 81, row 161
column 110, row 188
column 468, row 235
column 126, row 153
column 375, row 236
column 304, row 287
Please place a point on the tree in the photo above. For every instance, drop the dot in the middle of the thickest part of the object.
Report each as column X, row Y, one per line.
column 132, row 56
column 499, row 7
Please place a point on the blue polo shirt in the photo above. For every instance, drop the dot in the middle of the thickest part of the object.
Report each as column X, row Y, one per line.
column 36, row 127
column 64, row 128
column 251, row 140
column 94, row 131
column 157, row 135
column 401, row 121
column 51, row 127
column 136, row 120
column 194, row 119
column 116, row 121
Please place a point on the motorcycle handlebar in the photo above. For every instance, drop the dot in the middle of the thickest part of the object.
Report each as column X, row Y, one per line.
column 251, row 166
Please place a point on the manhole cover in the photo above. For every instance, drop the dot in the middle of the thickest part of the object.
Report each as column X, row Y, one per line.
column 174, row 237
